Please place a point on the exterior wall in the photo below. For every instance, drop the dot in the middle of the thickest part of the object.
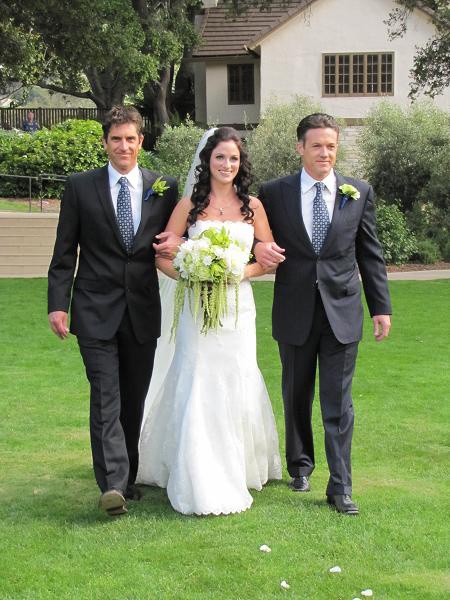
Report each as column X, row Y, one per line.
column 291, row 56
column 348, row 138
column 218, row 111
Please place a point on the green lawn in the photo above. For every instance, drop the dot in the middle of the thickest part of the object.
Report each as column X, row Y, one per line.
column 55, row 544
column 21, row 205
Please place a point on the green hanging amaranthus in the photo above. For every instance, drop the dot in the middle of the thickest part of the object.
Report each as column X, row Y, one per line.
column 207, row 265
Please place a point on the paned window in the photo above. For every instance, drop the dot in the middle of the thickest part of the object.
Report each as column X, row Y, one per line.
column 241, row 84
column 370, row 74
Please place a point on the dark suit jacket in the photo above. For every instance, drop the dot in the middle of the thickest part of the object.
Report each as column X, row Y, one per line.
column 108, row 279
column 351, row 243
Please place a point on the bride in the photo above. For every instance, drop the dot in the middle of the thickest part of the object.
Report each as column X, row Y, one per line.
column 209, row 432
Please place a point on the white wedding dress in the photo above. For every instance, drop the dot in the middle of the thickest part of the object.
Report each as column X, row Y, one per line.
column 209, row 432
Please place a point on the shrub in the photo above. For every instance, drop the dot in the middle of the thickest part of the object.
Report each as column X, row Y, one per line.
column 446, row 251
column 271, row 145
column 175, row 150
column 398, row 242
column 427, row 252
column 430, row 221
column 400, row 150
column 430, row 216
column 68, row 147
column 75, row 145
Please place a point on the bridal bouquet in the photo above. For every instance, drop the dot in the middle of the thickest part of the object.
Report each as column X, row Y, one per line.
column 207, row 264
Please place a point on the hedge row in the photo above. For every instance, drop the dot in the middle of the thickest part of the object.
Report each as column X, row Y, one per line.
column 404, row 153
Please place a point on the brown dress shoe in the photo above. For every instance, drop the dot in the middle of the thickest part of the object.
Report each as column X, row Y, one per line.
column 300, row 484
column 343, row 503
column 113, row 503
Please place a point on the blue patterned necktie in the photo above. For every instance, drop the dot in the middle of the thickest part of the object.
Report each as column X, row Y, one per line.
column 124, row 214
column 321, row 219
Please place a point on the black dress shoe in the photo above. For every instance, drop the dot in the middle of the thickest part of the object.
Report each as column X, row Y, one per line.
column 300, row 484
column 343, row 503
column 113, row 503
column 133, row 493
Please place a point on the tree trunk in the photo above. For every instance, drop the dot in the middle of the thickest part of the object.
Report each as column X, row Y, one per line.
column 156, row 96
column 184, row 96
column 108, row 88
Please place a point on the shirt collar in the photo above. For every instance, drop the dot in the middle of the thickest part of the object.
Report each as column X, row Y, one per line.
column 308, row 182
column 133, row 176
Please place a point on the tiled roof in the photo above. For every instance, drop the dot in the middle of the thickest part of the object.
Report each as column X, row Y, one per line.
column 226, row 36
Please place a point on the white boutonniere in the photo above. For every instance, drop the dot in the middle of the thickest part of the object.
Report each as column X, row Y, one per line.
column 347, row 192
column 158, row 188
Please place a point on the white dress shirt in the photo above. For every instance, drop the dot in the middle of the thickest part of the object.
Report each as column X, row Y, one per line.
column 135, row 185
column 308, row 193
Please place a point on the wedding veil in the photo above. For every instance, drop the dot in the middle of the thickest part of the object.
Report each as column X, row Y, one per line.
column 165, row 348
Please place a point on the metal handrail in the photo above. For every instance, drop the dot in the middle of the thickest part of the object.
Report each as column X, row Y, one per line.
column 39, row 179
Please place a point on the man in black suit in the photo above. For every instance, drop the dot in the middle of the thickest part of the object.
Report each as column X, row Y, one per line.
column 324, row 225
column 112, row 216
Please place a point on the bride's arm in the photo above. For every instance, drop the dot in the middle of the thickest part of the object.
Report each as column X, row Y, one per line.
column 177, row 225
column 263, row 233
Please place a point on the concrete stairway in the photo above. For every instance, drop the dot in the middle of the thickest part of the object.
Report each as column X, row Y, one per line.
column 26, row 243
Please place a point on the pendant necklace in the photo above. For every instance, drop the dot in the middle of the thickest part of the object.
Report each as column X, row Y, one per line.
column 220, row 209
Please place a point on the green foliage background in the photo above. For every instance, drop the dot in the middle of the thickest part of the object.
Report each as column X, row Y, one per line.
column 69, row 147
column 406, row 157
column 405, row 154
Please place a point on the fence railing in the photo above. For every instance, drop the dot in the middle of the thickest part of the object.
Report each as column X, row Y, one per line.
column 38, row 179
column 13, row 118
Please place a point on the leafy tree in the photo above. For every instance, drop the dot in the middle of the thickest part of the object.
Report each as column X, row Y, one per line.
column 431, row 68
column 103, row 50
column 23, row 57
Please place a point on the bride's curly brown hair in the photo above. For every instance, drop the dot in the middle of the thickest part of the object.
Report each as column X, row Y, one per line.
column 242, row 181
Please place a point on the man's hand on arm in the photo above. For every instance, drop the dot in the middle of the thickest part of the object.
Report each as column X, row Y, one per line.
column 58, row 323
column 268, row 254
column 381, row 326
column 168, row 244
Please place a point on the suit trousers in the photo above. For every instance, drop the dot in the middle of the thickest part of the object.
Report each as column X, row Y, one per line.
column 119, row 372
column 336, row 367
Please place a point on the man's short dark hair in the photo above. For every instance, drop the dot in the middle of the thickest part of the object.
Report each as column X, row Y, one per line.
column 120, row 115
column 316, row 121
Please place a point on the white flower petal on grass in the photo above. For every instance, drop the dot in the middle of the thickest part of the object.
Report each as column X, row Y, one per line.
column 265, row 548
column 367, row 593
column 356, row 599
column 284, row 585
column 335, row 569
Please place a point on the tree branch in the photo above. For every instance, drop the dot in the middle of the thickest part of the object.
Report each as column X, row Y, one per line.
column 63, row 90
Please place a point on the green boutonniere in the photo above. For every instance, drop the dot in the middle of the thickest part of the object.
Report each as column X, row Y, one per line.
column 158, row 188
column 347, row 192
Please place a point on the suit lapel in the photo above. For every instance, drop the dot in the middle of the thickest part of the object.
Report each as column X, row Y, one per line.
column 148, row 180
column 338, row 216
column 293, row 207
column 104, row 194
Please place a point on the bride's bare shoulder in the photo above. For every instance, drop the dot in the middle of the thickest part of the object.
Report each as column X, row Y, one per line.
column 255, row 203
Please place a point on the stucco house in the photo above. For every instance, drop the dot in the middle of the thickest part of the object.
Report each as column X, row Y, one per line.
column 335, row 51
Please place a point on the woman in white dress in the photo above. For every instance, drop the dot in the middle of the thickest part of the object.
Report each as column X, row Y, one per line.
column 209, row 433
